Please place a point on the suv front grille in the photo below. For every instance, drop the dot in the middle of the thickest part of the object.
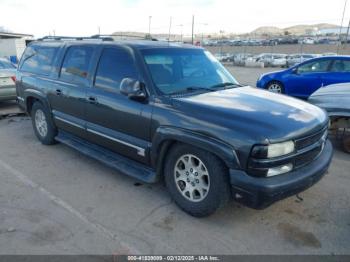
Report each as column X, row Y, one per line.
column 307, row 157
column 307, row 149
column 309, row 140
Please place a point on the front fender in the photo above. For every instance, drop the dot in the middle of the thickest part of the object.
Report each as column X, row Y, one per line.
column 165, row 134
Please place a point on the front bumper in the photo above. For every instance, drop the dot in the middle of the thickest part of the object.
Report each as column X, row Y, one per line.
column 259, row 193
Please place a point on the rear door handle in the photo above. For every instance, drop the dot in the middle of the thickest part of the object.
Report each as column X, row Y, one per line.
column 92, row 100
column 58, row 92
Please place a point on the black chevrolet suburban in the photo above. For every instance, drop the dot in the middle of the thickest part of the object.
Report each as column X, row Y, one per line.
column 157, row 110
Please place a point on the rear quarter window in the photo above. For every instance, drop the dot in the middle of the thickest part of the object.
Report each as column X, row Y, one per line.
column 76, row 64
column 39, row 59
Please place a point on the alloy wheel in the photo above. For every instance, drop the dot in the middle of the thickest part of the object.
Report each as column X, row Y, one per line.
column 191, row 178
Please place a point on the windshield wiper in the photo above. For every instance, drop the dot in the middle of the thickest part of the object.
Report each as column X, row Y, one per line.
column 193, row 89
column 226, row 84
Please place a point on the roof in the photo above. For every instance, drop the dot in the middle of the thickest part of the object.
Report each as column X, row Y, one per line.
column 13, row 35
column 138, row 44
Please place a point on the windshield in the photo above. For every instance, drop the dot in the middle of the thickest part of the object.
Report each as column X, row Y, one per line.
column 176, row 70
column 6, row 65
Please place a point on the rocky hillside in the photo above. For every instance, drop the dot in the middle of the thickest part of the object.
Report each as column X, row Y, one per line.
column 293, row 30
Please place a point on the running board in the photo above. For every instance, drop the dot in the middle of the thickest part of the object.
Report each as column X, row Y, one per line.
column 119, row 163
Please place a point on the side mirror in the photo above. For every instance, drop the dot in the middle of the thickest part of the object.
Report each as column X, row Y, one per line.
column 295, row 70
column 133, row 89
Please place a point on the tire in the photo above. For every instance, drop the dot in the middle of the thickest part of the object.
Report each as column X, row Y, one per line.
column 43, row 125
column 205, row 171
column 275, row 87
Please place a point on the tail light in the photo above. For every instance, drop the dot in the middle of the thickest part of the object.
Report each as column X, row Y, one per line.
column 13, row 79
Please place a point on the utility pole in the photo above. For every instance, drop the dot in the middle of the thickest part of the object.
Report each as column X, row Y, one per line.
column 341, row 26
column 99, row 30
column 192, row 28
column 347, row 35
column 181, row 31
column 169, row 28
column 149, row 25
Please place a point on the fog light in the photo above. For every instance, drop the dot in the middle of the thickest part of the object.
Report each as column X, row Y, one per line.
column 279, row 170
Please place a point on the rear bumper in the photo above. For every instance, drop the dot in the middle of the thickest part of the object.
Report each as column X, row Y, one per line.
column 259, row 193
column 7, row 93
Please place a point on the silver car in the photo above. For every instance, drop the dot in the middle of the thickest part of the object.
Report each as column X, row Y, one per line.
column 335, row 99
column 294, row 59
column 7, row 80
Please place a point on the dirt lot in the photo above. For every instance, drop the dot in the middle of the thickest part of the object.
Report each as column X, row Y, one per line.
column 53, row 200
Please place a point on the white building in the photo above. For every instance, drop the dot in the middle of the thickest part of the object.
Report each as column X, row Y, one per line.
column 333, row 31
column 12, row 44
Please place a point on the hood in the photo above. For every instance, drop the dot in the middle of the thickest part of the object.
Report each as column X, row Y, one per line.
column 273, row 74
column 257, row 113
column 335, row 99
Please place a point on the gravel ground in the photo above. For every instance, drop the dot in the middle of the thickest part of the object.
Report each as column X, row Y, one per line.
column 53, row 200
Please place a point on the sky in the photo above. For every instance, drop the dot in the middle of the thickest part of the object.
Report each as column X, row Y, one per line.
column 86, row 17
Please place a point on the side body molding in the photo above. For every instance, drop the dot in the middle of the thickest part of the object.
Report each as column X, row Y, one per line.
column 164, row 134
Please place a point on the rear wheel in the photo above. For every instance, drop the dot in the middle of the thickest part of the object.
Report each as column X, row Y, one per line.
column 197, row 180
column 44, row 128
column 275, row 87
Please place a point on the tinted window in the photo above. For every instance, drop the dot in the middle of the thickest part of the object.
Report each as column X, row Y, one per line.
column 114, row 65
column 341, row 66
column 76, row 64
column 318, row 66
column 6, row 65
column 39, row 59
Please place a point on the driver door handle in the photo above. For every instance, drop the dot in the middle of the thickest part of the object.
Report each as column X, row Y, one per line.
column 92, row 100
column 58, row 92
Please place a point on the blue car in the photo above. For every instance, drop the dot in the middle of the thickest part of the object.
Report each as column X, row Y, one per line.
column 305, row 78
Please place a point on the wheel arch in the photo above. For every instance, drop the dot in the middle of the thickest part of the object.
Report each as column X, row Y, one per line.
column 166, row 137
column 31, row 96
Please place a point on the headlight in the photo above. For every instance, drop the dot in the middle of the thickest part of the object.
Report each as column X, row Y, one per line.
column 280, row 149
column 273, row 150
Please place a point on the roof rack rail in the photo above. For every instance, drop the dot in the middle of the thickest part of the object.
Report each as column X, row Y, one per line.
column 48, row 38
column 111, row 37
column 125, row 36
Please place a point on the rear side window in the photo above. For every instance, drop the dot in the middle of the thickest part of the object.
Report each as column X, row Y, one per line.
column 76, row 64
column 341, row 66
column 114, row 65
column 39, row 59
column 311, row 67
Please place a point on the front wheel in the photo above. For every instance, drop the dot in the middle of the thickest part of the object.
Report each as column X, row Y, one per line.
column 275, row 87
column 197, row 180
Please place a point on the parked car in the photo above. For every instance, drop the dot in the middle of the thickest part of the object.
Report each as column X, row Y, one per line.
column 241, row 58
column 295, row 59
column 7, row 80
column 155, row 110
column 264, row 58
column 335, row 99
column 304, row 79
column 278, row 60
